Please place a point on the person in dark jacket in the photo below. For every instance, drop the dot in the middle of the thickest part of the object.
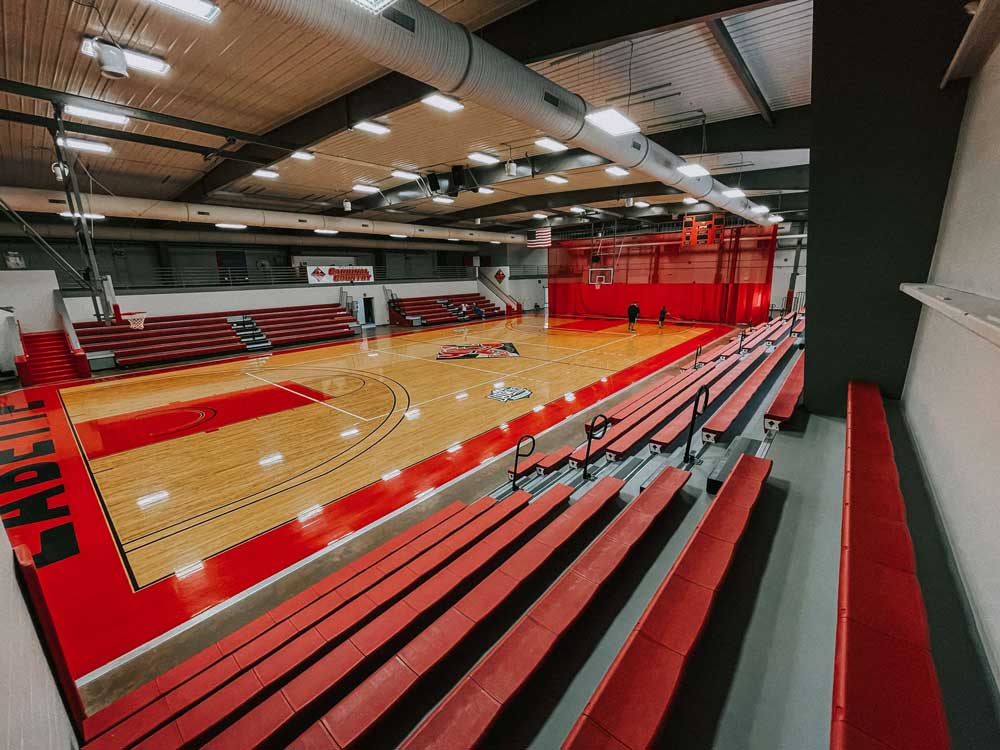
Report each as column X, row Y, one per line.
column 633, row 315
column 663, row 315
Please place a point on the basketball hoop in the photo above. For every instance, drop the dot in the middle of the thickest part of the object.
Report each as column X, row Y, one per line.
column 136, row 320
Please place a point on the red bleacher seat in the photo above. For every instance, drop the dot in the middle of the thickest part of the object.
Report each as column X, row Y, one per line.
column 635, row 695
column 783, row 406
column 885, row 687
column 555, row 460
column 457, row 724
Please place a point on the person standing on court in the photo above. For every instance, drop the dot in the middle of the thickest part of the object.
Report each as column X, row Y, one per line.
column 633, row 315
column 663, row 315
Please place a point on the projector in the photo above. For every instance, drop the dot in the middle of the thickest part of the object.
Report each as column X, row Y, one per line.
column 111, row 59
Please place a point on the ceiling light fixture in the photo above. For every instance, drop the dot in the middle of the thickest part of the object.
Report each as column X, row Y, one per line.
column 453, row 239
column 617, row 171
column 200, row 9
column 303, row 155
column 554, row 178
column 268, row 174
column 688, row 200
column 79, row 144
column 483, row 158
column 495, row 242
column 485, row 190
column 612, row 121
column 539, row 216
column 734, row 193
column 443, row 199
column 133, row 59
column 578, row 210
column 775, row 218
column 693, row 170
column 375, row 6
column 372, row 127
column 759, row 209
column 404, row 175
column 361, row 188
column 641, row 204
column 399, row 236
column 446, row 103
column 94, row 114
column 92, row 217
column 551, row 144
column 327, row 231
column 230, row 226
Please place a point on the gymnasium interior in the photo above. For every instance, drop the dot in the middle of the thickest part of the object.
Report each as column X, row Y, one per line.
column 449, row 374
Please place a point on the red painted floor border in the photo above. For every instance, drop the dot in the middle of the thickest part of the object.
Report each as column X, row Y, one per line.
column 99, row 616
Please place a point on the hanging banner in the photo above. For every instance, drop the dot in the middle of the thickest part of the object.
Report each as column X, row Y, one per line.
column 340, row 274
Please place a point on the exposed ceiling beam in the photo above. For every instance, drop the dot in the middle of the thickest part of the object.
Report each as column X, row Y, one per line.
column 780, row 178
column 582, row 24
column 64, row 99
column 119, row 135
column 735, row 58
column 791, row 130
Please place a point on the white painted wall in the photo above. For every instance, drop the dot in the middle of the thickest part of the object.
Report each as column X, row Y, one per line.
column 952, row 398
column 528, row 292
column 31, row 713
column 784, row 262
column 179, row 303
column 32, row 295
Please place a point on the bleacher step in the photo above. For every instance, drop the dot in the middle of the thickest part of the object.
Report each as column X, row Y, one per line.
column 654, row 465
column 737, row 448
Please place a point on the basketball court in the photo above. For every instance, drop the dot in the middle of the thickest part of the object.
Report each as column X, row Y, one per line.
column 206, row 479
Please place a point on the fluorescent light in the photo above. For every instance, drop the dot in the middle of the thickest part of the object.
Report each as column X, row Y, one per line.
column 365, row 188
column 734, row 193
column 133, row 59
column 399, row 236
column 612, row 121
column 303, row 155
column 372, row 127
column 348, row 433
column 495, row 242
column 404, row 175
column 327, row 231
column 271, row 459
column 617, row 171
column 391, row 474
column 189, row 569
column 225, row 225
column 692, row 170
column 93, row 217
column 442, row 199
column 483, row 158
column 556, row 179
column 440, row 101
column 454, row 239
column 486, row 190
column 93, row 114
column 201, row 9
column 539, row 216
column 689, row 200
column 269, row 174
column 79, row 144
column 551, row 144
column 152, row 498
column 641, row 204
column 759, row 209
column 775, row 218
column 578, row 210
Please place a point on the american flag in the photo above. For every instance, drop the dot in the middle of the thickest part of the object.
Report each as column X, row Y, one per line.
column 540, row 237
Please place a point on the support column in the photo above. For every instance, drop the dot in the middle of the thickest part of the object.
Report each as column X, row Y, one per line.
column 883, row 141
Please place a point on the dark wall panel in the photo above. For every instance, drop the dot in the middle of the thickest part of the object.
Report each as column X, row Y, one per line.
column 883, row 139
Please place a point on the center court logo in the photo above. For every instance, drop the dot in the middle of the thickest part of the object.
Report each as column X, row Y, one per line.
column 510, row 393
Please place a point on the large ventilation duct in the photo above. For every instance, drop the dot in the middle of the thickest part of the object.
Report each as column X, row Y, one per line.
column 53, row 202
column 416, row 41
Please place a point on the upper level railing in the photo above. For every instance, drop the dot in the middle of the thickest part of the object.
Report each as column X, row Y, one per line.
column 166, row 278
column 529, row 272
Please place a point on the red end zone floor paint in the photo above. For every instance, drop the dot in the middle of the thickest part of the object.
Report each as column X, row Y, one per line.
column 122, row 432
column 48, row 503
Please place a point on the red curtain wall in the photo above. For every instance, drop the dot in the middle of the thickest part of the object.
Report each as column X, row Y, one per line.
column 726, row 282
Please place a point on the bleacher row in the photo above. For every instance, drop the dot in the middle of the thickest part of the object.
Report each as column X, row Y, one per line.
column 435, row 310
column 170, row 338
column 350, row 657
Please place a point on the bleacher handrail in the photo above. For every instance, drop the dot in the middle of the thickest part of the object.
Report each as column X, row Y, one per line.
column 495, row 289
column 518, row 456
column 594, row 430
column 689, row 457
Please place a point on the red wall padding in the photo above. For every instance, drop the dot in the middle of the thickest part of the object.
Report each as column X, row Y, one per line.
column 729, row 282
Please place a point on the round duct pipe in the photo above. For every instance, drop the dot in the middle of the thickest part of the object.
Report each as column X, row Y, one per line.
column 418, row 42
column 54, row 202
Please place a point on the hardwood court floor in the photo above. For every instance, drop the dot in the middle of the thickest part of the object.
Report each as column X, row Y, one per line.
column 192, row 462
